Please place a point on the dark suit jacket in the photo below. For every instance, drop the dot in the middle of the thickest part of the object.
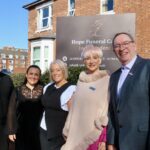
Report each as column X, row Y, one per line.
column 129, row 122
column 6, row 87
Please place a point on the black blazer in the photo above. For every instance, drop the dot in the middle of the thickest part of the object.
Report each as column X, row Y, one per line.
column 129, row 115
column 6, row 87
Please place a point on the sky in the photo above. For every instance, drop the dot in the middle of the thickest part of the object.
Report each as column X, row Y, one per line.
column 14, row 23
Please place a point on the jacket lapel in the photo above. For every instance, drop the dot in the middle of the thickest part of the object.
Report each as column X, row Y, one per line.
column 114, row 87
column 127, row 85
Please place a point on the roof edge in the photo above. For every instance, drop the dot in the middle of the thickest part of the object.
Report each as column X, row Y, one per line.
column 40, row 38
column 28, row 6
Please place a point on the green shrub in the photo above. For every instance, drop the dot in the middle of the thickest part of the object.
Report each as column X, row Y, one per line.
column 74, row 74
column 18, row 79
column 45, row 78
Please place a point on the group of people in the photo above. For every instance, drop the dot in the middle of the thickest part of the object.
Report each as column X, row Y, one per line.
column 101, row 112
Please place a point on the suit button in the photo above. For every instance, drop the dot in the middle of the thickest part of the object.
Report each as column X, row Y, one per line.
column 120, row 126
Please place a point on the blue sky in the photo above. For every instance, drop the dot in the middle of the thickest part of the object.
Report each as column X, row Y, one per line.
column 14, row 23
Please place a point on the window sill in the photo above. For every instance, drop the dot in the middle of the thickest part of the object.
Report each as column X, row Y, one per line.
column 43, row 29
column 107, row 13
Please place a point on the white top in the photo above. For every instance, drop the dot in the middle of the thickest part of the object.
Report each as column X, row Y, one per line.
column 65, row 97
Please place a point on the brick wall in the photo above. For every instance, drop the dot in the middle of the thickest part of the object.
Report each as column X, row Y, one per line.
column 92, row 7
column 60, row 8
column 87, row 7
column 32, row 30
column 19, row 65
column 142, row 10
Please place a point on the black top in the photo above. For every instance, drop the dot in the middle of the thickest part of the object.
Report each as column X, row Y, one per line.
column 55, row 117
column 6, row 87
column 24, row 116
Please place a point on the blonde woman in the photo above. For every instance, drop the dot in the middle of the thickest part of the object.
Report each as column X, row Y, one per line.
column 88, row 114
column 56, row 102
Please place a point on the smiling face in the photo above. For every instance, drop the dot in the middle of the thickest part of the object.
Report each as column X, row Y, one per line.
column 124, row 48
column 33, row 76
column 57, row 73
column 92, row 62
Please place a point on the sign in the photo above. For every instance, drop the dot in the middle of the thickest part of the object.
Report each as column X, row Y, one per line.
column 74, row 33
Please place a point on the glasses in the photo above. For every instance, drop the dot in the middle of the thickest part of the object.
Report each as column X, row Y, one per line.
column 124, row 44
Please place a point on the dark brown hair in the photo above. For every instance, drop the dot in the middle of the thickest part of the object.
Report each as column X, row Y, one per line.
column 128, row 34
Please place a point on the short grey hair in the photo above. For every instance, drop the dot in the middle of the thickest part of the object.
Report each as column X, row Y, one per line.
column 91, row 49
column 62, row 65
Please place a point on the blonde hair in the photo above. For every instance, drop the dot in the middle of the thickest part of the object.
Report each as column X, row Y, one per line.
column 62, row 65
column 91, row 49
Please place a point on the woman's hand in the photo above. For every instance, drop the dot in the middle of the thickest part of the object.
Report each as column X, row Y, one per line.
column 111, row 147
column 102, row 146
column 12, row 137
column 69, row 103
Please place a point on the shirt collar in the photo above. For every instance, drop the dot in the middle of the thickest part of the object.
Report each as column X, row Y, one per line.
column 130, row 64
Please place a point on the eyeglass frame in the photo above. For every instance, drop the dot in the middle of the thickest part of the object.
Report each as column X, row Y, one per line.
column 124, row 44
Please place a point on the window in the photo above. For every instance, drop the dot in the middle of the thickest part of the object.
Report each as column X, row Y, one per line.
column 36, row 56
column 10, row 56
column 44, row 20
column 17, row 56
column 22, row 62
column 3, row 56
column 22, row 57
column 71, row 7
column 11, row 62
column 4, row 61
column 42, row 53
column 107, row 6
column 46, row 56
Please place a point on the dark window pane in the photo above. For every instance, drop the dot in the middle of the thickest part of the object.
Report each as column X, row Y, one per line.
column 45, row 22
column 45, row 12
column 72, row 4
column 110, row 5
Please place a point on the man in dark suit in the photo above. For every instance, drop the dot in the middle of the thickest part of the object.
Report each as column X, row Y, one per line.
column 129, row 111
column 6, row 87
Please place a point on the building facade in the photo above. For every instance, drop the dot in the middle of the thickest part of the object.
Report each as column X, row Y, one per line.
column 14, row 60
column 42, row 23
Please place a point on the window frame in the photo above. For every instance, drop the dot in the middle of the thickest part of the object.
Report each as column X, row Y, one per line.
column 36, row 59
column 46, row 57
column 106, row 12
column 70, row 9
column 43, row 43
column 40, row 17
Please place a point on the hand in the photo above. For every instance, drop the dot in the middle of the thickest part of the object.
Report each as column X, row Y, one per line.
column 111, row 147
column 12, row 137
column 102, row 146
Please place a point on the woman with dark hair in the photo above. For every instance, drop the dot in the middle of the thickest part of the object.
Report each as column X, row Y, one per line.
column 25, row 111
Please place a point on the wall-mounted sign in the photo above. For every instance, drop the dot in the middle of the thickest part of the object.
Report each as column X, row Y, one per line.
column 74, row 33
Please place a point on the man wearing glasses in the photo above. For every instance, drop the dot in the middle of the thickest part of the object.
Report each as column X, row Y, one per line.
column 129, row 110
column 6, row 87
